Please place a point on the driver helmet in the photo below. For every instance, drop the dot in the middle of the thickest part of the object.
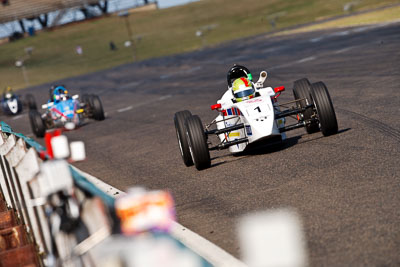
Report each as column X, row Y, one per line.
column 8, row 93
column 236, row 72
column 243, row 89
column 59, row 93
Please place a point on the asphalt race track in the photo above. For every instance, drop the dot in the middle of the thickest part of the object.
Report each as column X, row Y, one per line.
column 346, row 187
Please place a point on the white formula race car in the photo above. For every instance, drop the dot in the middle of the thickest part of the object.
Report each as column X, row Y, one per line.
column 257, row 119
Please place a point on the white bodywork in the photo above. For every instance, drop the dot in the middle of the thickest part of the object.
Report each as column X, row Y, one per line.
column 257, row 114
column 13, row 105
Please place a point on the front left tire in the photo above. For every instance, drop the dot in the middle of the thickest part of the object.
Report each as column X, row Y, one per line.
column 325, row 111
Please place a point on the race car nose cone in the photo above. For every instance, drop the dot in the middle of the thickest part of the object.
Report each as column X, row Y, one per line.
column 70, row 126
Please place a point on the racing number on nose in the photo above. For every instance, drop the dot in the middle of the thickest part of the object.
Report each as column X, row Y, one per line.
column 258, row 108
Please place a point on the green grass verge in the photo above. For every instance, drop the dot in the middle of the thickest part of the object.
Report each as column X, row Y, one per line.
column 378, row 16
column 163, row 32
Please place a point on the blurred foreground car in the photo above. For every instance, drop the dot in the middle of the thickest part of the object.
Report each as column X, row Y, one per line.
column 250, row 113
column 63, row 111
column 11, row 103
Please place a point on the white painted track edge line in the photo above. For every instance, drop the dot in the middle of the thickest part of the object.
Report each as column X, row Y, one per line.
column 204, row 248
column 209, row 251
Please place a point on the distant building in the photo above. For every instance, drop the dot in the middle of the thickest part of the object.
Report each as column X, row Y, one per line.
column 48, row 13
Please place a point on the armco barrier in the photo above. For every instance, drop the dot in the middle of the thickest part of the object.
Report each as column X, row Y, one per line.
column 32, row 228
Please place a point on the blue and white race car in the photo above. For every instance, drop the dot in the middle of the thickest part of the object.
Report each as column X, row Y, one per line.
column 11, row 103
column 63, row 111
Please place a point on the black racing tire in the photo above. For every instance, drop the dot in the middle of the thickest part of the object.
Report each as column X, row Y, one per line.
column 37, row 123
column 301, row 90
column 179, row 120
column 325, row 111
column 31, row 102
column 198, row 143
column 97, row 108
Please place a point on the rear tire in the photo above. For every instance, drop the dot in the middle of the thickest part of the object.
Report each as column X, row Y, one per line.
column 325, row 110
column 31, row 102
column 179, row 120
column 97, row 108
column 301, row 90
column 198, row 143
column 37, row 123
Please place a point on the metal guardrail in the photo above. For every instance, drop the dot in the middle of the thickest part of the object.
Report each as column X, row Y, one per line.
column 43, row 224
column 17, row 161
column 29, row 209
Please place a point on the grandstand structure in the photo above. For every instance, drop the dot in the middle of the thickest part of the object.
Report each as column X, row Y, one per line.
column 38, row 10
column 22, row 9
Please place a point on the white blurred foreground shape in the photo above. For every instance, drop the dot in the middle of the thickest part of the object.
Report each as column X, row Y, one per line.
column 272, row 239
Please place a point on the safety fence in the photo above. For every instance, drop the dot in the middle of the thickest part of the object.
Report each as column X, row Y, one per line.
column 51, row 215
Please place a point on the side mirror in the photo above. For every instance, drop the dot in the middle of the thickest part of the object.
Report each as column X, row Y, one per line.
column 44, row 106
column 261, row 80
column 216, row 106
column 263, row 75
column 75, row 97
column 279, row 89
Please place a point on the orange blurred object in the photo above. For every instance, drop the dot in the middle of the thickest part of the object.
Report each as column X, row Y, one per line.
column 142, row 211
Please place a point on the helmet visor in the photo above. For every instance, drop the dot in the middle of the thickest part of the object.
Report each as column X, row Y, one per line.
column 244, row 93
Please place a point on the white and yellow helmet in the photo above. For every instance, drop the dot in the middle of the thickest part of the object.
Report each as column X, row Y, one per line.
column 243, row 89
